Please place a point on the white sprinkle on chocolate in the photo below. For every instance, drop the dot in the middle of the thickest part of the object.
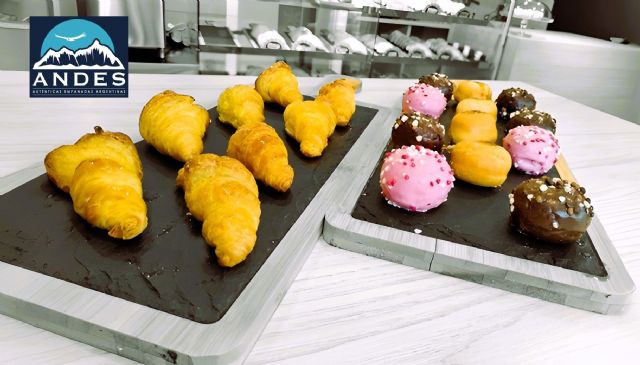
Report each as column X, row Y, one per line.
column 395, row 126
column 419, row 138
column 530, row 196
column 414, row 124
column 417, row 231
column 543, row 187
column 511, row 208
column 555, row 224
column 404, row 118
column 562, row 199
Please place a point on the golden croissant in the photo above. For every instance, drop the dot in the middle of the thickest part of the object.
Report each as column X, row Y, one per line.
column 240, row 104
column 222, row 193
column 61, row 163
column 174, row 125
column 260, row 149
column 311, row 123
column 278, row 84
column 103, row 174
column 341, row 96
column 109, row 196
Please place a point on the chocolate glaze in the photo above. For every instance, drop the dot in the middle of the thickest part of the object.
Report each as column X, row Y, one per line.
column 439, row 81
column 553, row 210
column 536, row 118
column 513, row 99
column 417, row 129
column 478, row 217
column 168, row 267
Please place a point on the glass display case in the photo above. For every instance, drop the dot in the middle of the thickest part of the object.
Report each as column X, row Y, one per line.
column 397, row 39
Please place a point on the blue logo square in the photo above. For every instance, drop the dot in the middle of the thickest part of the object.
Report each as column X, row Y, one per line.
column 79, row 56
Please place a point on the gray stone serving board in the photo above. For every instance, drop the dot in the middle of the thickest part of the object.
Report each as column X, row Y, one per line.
column 602, row 294
column 154, row 336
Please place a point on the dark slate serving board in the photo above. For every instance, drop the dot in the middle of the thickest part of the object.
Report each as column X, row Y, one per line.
column 168, row 267
column 477, row 217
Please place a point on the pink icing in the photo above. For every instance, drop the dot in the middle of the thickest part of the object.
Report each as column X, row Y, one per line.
column 424, row 99
column 533, row 150
column 415, row 178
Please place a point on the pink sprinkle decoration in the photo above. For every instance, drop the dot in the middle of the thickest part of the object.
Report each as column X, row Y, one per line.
column 431, row 183
column 406, row 177
column 413, row 164
column 392, row 182
column 438, row 181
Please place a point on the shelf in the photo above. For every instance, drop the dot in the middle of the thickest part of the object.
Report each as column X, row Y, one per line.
column 541, row 20
column 343, row 57
column 429, row 61
column 409, row 17
column 386, row 15
column 312, row 4
column 282, row 53
column 335, row 6
column 419, row 23
column 213, row 44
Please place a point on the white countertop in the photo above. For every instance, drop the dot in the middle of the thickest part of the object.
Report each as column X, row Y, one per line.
column 349, row 308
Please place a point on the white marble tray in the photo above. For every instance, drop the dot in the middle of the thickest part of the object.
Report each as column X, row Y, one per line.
column 555, row 284
column 155, row 337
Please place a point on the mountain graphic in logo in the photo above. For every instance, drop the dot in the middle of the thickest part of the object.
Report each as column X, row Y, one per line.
column 96, row 55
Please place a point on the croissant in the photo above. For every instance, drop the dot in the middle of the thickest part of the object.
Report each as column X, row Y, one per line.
column 278, row 84
column 311, row 123
column 109, row 197
column 103, row 174
column 174, row 125
column 61, row 163
column 341, row 96
column 260, row 149
column 240, row 104
column 222, row 193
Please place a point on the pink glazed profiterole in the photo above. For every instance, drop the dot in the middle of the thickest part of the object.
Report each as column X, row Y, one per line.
column 415, row 178
column 533, row 150
column 424, row 99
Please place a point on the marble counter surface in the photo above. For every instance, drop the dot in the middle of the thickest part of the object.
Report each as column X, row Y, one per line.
column 348, row 308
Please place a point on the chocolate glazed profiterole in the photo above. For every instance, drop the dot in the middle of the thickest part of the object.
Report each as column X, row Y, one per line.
column 532, row 117
column 439, row 81
column 552, row 210
column 417, row 129
column 513, row 99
